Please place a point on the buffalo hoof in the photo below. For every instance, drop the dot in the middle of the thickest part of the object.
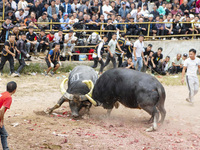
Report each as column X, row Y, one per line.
column 151, row 129
column 48, row 111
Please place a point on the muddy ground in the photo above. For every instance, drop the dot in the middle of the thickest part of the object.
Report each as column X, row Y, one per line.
column 30, row 129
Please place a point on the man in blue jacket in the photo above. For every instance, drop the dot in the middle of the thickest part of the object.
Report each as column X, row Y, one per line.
column 52, row 10
column 67, row 7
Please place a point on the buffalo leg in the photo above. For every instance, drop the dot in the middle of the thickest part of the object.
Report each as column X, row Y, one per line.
column 108, row 112
column 152, row 110
column 162, row 110
column 59, row 103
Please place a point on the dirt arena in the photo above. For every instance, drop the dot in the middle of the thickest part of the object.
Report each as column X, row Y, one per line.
column 30, row 129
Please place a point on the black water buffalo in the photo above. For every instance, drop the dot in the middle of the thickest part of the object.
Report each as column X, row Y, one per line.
column 131, row 88
column 76, row 91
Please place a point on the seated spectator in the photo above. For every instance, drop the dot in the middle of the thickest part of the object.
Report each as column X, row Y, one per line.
column 161, row 10
column 31, row 40
column 155, row 13
column 65, row 20
column 142, row 27
column 198, row 6
column 43, row 18
column 93, row 23
column 168, row 26
column 168, row 9
column 33, row 17
column 33, row 25
column 177, row 64
column 6, row 27
column 176, row 25
column 53, row 59
column 102, row 20
column 23, row 5
column 50, row 37
column 94, row 39
column 161, row 27
column 185, row 56
column 187, row 27
column 128, row 64
column 21, row 25
column 192, row 6
column 59, row 6
column 106, row 9
column 156, row 61
column 60, row 15
column 132, row 29
column 12, row 16
column 141, row 4
column 144, row 10
column 159, row 3
column 146, row 53
column 15, row 31
column 121, row 26
column 59, row 38
column 13, row 5
column 123, row 11
column 55, row 19
column 43, row 41
column 153, row 28
column 95, row 8
column 166, row 65
column 27, row 20
column 185, row 8
column 69, row 43
column 36, row 9
column 175, row 11
column 67, row 7
column 20, row 15
column 75, row 6
column 52, row 9
column 110, row 26
column 135, row 12
column 72, row 21
column 197, row 25
column 44, row 9
column 84, row 7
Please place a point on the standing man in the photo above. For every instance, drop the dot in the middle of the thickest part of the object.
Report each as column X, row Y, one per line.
column 8, row 54
column 6, row 27
column 192, row 64
column 138, row 55
column 5, row 103
column 97, row 55
column 111, row 51
column 21, row 46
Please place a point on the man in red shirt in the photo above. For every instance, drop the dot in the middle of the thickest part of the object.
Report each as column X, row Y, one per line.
column 5, row 102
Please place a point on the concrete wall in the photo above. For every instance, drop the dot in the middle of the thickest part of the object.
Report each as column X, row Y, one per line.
column 172, row 47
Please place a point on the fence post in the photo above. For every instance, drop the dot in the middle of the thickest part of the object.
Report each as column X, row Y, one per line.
column 51, row 25
column 101, row 29
column 193, row 30
column 3, row 13
column 148, row 31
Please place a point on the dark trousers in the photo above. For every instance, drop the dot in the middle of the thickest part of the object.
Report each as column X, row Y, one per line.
column 4, row 135
column 109, row 58
column 22, row 64
column 144, row 32
column 119, row 59
column 42, row 46
column 96, row 61
column 176, row 69
column 161, row 32
column 11, row 62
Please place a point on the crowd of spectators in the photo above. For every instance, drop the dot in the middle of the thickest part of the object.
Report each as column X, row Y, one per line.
column 95, row 12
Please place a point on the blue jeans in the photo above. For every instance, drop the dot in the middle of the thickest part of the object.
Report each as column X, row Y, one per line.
column 4, row 136
column 139, row 61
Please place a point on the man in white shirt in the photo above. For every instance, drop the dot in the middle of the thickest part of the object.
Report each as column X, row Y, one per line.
column 20, row 15
column 13, row 4
column 75, row 6
column 111, row 51
column 97, row 55
column 59, row 38
column 138, row 50
column 192, row 64
column 106, row 9
column 134, row 13
column 69, row 44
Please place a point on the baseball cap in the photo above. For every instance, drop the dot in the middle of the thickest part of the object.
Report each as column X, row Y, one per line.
column 123, row 3
column 151, row 15
column 65, row 14
column 185, row 55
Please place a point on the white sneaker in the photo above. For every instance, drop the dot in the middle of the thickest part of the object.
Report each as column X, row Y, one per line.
column 14, row 75
column 189, row 101
column 164, row 39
